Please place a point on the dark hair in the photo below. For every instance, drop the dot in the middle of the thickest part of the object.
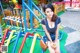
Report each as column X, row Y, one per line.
column 52, row 8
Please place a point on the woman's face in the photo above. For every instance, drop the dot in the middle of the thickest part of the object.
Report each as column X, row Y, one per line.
column 49, row 13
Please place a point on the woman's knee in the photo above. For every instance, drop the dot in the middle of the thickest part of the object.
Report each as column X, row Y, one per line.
column 50, row 48
column 57, row 51
column 52, row 51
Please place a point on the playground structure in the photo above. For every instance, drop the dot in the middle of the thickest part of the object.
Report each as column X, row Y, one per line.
column 59, row 6
column 17, row 21
column 0, row 31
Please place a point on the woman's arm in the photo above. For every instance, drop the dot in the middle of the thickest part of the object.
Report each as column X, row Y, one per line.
column 57, row 32
column 47, row 33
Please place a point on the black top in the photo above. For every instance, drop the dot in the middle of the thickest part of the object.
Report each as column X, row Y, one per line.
column 51, row 30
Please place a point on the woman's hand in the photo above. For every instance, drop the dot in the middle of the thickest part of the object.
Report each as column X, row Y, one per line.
column 53, row 45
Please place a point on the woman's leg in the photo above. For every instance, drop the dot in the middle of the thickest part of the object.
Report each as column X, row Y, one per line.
column 57, row 50
column 50, row 48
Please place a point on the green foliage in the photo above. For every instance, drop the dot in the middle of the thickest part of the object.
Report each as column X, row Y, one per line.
column 4, row 5
column 36, row 2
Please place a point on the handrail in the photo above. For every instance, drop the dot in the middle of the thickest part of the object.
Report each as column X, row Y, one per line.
column 29, row 7
column 26, row 35
column 24, row 14
column 38, row 9
column 4, row 37
column 1, row 31
column 2, row 8
column 33, row 42
column 17, row 38
column 8, row 41
column 31, row 11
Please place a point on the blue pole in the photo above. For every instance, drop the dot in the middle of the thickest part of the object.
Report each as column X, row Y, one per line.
column 31, row 15
column 0, row 31
column 16, row 43
column 38, row 9
column 24, row 17
column 31, row 11
column 2, row 8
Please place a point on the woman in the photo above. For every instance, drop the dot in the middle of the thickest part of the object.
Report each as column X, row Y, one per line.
column 51, row 25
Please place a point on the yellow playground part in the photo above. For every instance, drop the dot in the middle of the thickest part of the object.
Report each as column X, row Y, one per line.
column 8, row 41
column 33, row 42
column 58, row 7
column 10, row 37
column 14, row 1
